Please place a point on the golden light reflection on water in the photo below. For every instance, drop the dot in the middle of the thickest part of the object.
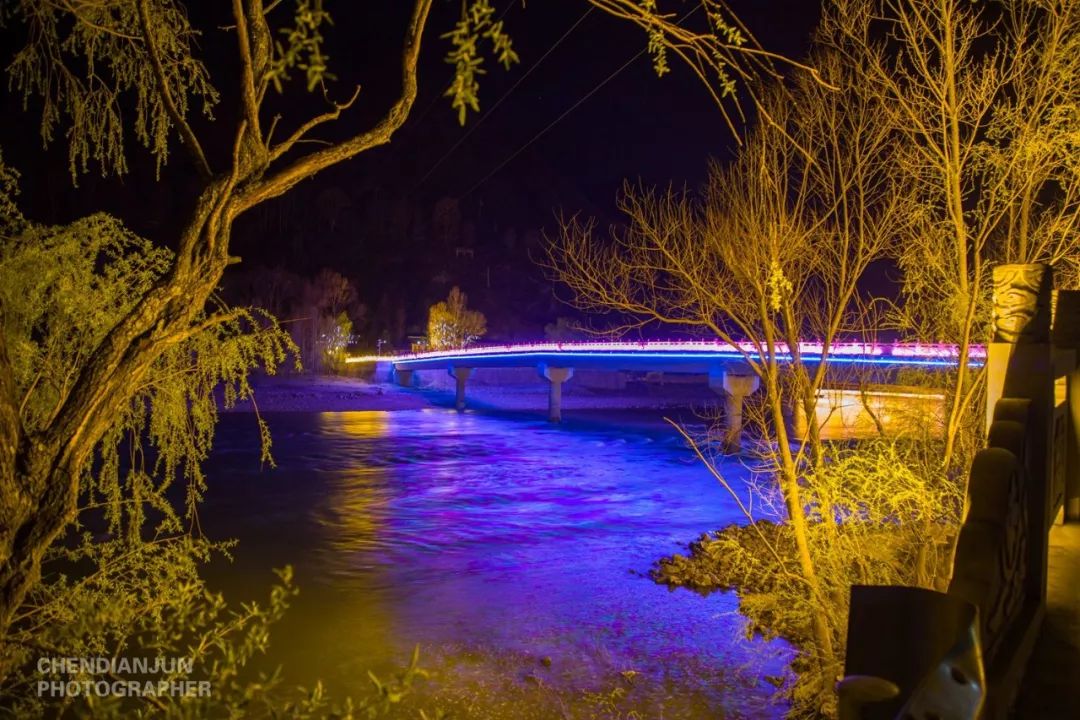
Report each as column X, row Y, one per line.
column 357, row 507
column 353, row 521
column 366, row 423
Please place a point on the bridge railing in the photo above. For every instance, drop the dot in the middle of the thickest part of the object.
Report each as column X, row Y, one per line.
column 945, row 353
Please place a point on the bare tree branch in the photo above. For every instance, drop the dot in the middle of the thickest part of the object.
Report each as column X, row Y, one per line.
column 279, row 150
column 309, row 165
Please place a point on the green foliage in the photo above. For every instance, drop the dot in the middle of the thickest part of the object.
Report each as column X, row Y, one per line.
column 452, row 325
column 730, row 37
column 11, row 219
column 86, row 61
column 302, row 48
column 90, row 67
column 125, row 576
column 657, row 49
column 715, row 49
column 476, row 23
column 149, row 601
column 145, row 599
column 64, row 288
column 124, row 580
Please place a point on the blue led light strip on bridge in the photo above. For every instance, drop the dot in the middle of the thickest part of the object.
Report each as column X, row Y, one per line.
column 896, row 354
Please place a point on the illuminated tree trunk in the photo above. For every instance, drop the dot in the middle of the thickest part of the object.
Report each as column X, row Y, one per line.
column 38, row 497
column 796, row 510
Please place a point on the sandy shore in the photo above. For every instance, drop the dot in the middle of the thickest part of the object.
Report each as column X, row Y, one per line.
column 305, row 393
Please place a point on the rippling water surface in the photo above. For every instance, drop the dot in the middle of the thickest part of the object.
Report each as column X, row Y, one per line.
column 514, row 552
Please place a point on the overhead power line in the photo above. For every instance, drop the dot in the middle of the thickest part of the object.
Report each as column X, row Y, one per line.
column 569, row 110
column 554, row 122
column 489, row 111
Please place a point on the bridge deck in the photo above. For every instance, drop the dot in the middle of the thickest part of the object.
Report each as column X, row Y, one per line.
column 672, row 356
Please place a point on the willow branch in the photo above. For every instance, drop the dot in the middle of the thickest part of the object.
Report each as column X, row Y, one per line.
column 186, row 133
column 211, row 322
column 10, row 421
column 76, row 11
column 315, row 162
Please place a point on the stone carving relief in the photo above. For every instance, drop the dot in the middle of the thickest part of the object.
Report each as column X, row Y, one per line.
column 1022, row 303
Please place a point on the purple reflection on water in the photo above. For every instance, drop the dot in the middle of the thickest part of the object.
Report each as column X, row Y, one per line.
column 502, row 540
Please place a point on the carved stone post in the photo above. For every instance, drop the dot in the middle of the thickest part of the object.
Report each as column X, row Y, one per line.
column 1019, row 364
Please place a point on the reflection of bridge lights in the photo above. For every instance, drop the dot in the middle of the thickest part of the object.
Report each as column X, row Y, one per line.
column 870, row 353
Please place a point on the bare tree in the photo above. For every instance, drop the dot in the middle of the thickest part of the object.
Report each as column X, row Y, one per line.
column 770, row 253
column 986, row 100
column 1033, row 133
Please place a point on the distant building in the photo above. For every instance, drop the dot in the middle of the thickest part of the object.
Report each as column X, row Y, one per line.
column 418, row 343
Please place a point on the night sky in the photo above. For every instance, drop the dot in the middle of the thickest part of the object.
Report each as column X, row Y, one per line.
column 373, row 218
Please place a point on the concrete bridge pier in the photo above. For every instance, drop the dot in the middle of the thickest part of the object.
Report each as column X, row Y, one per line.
column 403, row 377
column 734, row 387
column 460, row 375
column 555, row 376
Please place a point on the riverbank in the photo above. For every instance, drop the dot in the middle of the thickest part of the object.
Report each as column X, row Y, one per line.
column 325, row 393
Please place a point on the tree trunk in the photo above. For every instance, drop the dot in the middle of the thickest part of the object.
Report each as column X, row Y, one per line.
column 789, row 485
column 39, row 488
column 25, row 537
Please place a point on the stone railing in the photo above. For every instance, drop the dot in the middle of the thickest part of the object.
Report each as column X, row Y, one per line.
column 961, row 654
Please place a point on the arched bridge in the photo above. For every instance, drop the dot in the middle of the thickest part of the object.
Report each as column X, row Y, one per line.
column 724, row 364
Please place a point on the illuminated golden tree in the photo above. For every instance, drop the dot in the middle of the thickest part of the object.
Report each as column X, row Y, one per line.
column 453, row 325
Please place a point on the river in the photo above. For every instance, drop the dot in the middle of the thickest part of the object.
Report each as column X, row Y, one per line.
column 514, row 552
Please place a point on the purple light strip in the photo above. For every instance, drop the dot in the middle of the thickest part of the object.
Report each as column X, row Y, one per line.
column 900, row 353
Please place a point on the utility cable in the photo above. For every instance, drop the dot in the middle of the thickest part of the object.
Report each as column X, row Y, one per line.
column 489, row 111
column 553, row 123
column 566, row 112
